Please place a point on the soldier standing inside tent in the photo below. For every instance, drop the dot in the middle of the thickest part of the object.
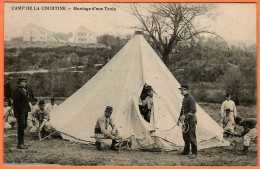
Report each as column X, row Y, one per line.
column 8, row 93
column 101, row 127
column 21, row 108
column 148, row 101
column 188, row 111
column 250, row 131
column 228, row 104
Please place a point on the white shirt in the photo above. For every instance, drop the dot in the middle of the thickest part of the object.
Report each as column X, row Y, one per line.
column 149, row 102
column 48, row 107
column 228, row 104
column 7, row 109
column 33, row 110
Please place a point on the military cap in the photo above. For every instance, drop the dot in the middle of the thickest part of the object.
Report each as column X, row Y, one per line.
column 41, row 102
column 184, row 87
column 9, row 78
column 21, row 79
column 109, row 109
column 35, row 99
column 228, row 110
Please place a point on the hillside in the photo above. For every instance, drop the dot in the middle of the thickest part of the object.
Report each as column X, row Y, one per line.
column 210, row 67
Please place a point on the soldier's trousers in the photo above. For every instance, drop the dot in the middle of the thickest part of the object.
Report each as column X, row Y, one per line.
column 22, row 124
column 190, row 138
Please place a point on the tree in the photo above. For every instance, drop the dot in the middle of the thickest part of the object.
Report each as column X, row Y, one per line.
column 234, row 82
column 171, row 23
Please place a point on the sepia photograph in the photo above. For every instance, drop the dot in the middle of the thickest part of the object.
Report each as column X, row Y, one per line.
column 130, row 84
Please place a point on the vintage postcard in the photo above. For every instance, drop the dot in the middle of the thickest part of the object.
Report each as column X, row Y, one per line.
column 130, row 84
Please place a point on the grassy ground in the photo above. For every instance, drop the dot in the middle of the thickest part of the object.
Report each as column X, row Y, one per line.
column 62, row 152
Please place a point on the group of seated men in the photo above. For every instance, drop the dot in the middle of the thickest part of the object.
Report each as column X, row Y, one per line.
column 38, row 117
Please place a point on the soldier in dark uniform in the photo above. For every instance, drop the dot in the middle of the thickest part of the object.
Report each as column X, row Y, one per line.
column 249, row 133
column 8, row 93
column 188, row 111
column 21, row 108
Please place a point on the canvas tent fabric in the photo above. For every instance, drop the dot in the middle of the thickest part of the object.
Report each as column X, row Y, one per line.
column 119, row 84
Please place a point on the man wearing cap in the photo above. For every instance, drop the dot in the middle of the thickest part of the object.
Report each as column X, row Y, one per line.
column 8, row 93
column 101, row 127
column 42, row 120
column 228, row 104
column 21, row 108
column 249, row 133
column 188, row 111
column 228, row 123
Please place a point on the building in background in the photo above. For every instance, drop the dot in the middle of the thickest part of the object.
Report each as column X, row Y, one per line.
column 83, row 35
column 34, row 33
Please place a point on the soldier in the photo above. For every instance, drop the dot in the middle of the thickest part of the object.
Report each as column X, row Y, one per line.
column 148, row 101
column 31, row 114
column 43, row 118
column 187, row 113
column 101, row 127
column 228, row 123
column 9, row 119
column 250, row 131
column 228, row 104
column 21, row 108
column 8, row 93
column 50, row 106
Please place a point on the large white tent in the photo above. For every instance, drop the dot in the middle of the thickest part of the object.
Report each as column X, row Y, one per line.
column 119, row 84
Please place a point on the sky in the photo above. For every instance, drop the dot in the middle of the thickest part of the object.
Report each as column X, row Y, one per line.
column 234, row 22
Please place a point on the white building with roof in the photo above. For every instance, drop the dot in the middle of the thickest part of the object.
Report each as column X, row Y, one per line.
column 34, row 33
column 84, row 35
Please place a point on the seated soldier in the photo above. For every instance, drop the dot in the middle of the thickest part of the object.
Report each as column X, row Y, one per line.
column 250, row 131
column 34, row 109
column 42, row 120
column 50, row 106
column 148, row 101
column 228, row 123
column 9, row 119
column 101, row 127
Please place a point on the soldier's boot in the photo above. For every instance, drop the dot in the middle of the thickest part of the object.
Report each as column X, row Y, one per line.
column 244, row 151
column 98, row 145
column 21, row 146
column 112, row 147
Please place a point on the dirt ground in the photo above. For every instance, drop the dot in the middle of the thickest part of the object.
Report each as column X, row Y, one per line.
column 61, row 152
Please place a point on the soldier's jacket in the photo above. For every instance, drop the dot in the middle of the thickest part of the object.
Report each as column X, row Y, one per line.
column 103, row 123
column 41, row 115
column 20, row 101
column 248, row 124
column 189, row 106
